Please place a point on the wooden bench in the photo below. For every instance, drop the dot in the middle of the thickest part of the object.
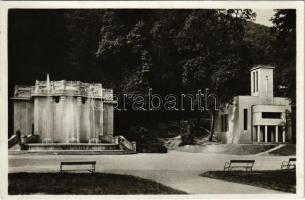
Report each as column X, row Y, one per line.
column 290, row 164
column 246, row 164
column 88, row 163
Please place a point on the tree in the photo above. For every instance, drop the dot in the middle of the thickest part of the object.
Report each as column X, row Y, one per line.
column 212, row 44
column 284, row 30
column 82, row 30
column 138, row 79
column 169, row 50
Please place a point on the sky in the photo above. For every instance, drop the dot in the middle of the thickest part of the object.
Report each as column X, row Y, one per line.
column 263, row 16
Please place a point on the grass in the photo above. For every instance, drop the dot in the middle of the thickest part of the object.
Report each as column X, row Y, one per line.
column 287, row 150
column 83, row 183
column 249, row 149
column 284, row 181
column 233, row 149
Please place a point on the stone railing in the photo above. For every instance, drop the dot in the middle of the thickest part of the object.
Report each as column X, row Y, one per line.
column 69, row 88
column 108, row 94
column 125, row 144
column 13, row 140
column 23, row 91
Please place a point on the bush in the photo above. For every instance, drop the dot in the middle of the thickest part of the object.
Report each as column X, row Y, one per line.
column 151, row 148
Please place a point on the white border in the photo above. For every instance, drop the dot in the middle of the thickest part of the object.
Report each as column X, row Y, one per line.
column 300, row 75
column 299, row 5
column 154, row 4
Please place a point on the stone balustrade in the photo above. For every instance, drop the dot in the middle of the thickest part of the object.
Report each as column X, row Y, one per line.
column 125, row 144
column 64, row 88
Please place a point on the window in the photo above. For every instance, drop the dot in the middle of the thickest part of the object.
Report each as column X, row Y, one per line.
column 224, row 123
column 245, row 119
column 271, row 115
column 256, row 81
column 253, row 76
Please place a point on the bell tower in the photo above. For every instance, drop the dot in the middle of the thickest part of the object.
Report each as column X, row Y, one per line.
column 262, row 83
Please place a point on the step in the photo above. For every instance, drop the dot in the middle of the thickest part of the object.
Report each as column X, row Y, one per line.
column 72, row 152
column 72, row 146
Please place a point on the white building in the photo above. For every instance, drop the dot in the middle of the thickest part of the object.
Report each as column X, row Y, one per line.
column 259, row 118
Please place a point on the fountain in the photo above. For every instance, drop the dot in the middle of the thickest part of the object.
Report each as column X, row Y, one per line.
column 48, row 116
column 70, row 116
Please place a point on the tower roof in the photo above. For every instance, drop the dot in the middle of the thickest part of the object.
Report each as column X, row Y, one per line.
column 262, row 67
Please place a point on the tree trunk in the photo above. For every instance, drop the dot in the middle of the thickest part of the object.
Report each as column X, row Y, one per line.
column 212, row 124
column 293, row 124
column 197, row 126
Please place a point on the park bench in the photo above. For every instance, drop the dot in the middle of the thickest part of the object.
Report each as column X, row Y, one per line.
column 90, row 164
column 246, row 164
column 290, row 164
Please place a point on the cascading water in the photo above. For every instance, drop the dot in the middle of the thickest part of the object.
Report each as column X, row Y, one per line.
column 73, row 133
column 49, row 112
column 94, row 110
column 73, row 121
column 94, row 135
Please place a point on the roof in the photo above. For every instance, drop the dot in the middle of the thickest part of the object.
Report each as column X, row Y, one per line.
column 262, row 67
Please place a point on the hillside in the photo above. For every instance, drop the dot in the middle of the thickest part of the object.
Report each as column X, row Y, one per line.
column 260, row 38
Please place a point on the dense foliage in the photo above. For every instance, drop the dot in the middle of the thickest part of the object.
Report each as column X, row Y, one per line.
column 284, row 55
column 170, row 51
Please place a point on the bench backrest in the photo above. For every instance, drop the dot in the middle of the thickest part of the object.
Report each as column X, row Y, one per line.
column 242, row 161
column 79, row 163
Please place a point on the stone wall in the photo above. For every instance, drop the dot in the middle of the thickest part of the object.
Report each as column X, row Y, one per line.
column 23, row 116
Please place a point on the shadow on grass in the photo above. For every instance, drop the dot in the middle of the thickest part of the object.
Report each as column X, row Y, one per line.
column 83, row 183
column 287, row 150
column 284, row 181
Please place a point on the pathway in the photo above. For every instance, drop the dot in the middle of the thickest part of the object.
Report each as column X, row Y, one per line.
column 179, row 170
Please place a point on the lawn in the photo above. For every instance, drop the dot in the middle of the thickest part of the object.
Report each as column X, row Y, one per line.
column 83, row 183
column 234, row 149
column 276, row 179
column 249, row 149
column 287, row 150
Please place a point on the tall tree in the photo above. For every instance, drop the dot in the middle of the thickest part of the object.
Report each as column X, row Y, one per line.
column 284, row 30
column 212, row 44
column 284, row 47
column 82, row 30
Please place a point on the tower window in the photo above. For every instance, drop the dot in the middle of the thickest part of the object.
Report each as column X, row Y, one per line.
column 253, row 76
column 245, row 119
column 224, row 123
column 256, row 81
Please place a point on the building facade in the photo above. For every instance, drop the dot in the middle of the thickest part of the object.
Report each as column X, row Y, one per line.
column 259, row 118
column 64, row 111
